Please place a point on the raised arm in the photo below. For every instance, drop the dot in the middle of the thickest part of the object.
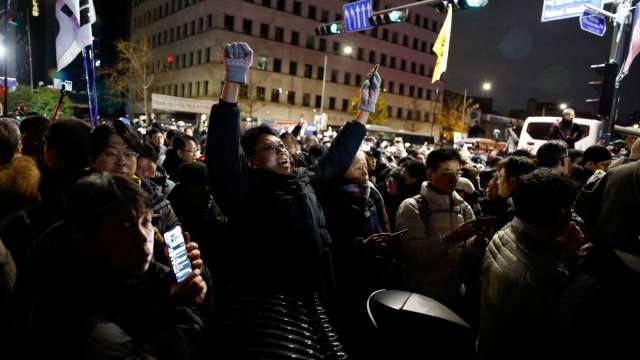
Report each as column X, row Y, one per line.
column 226, row 161
column 345, row 146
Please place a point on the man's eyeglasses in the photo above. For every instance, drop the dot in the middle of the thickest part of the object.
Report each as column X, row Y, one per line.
column 113, row 155
column 272, row 147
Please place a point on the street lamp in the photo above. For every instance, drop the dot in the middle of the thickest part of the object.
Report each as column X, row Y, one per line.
column 487, row 86
column 563, row 106
column 347, row 50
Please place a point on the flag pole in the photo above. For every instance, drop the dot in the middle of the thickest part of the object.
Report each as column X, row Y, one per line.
column 5, row 108
column 94, row 91
column 92, row 114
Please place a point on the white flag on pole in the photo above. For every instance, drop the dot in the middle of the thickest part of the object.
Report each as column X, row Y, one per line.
column 75, row 18
column 634, row 46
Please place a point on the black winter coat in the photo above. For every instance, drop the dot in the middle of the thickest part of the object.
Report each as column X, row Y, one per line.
column 278, row 229
column 164, row 218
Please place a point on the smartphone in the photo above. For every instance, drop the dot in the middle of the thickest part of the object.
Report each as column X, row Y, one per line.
column 375, row 69
column 174, row 241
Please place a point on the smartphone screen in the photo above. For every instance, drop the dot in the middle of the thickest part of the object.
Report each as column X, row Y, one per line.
column 174, row 241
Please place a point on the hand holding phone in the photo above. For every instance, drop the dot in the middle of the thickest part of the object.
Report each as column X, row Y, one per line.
column 178, row 256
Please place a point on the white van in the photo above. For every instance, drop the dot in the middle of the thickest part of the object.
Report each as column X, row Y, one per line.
column 536, row 129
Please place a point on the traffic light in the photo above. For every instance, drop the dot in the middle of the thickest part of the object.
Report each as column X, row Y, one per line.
column 389, row 17
column 460, row 4
column 605, row 86
column 333, row 28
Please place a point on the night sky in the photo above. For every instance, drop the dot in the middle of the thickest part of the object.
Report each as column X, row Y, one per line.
column 506, row 43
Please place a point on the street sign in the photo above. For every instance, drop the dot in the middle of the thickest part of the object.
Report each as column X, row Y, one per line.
column 565, row 9
column 593, row 23
column 356, row 15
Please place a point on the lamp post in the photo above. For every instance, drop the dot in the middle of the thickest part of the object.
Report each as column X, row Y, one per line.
column 486, row 87
column 347, row 50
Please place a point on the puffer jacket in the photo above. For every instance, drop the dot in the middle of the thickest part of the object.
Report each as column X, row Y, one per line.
column 165, row 218
column 522, row 275
column 280, row 239
column 428, row 266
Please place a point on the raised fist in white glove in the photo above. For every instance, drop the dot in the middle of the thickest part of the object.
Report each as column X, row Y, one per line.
column 238, row 58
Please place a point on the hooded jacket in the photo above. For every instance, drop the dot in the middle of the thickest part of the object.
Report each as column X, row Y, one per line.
column 428, row 266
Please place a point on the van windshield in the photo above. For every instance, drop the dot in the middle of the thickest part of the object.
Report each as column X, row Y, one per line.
column 540, row 130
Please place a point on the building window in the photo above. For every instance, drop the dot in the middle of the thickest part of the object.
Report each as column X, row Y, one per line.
column 228, row 22
column 279, row 34
column 374, row 32
column 409, row 115
column 403, row 64
column 182, row 90
column 399, row 113
column 175, row 90
column 347, row 78
column 291, row 97
column 297, row 8
column 360, row 54
column 415, row 44
column 358, row 80
column 209, row 21
column 324, row 16
column 345, row 104
column 336, row 47
column 394, row 38
column 420, row 91
column 401, row 89
column 311, row 42
column 385, row 34
column 405, row 40
column 392, row 62
column 178, row 63
column 208, row 55
column 192, row 28
column 427, row 117
column 280, row 5
column 332, row 103
column 338, row 16
column 246, row 26
column 417, row 20
column 318, row 101
column 412, row 91
column 260, row 93
column 191, row 58
column 263, row 62
column 266, row 3
column 322, row 46
column 312, row 12
column 184, row 30
column 293, row 68
column 277, row 65
column 423, row 46
column 308, row 71
column 391, row 86
column 372, row 57
column 418, row 115
column 428, row 94
column 295, row 38
column 434, row 26
column 201, row 25
column 275, row 95
column 425, row 23
column 413, row 67
column 320, row 72
column 430, row 71
column 199, row 57
column 334, row 76
column 306, row 100
column 264, row 31
column 171, row 34
column 383, row 59
column 198, row 88
column 390, row 111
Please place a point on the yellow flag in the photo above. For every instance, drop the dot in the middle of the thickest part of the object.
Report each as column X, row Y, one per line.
column 441, row 47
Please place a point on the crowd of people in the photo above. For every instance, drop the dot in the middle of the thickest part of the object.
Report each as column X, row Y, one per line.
column 534, row 252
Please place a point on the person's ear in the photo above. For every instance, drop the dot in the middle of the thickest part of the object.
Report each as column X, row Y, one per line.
column 429, row 174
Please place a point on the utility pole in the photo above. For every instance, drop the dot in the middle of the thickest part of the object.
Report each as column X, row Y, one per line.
column 619, row 43
column 30, row 53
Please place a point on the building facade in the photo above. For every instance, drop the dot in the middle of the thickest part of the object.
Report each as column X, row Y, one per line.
column 187, row 39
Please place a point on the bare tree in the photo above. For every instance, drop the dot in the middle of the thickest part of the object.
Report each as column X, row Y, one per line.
column 133, row 73
column 451, row 118
column 251, row 102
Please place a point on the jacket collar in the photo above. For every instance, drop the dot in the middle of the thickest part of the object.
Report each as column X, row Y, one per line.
column 429, row 194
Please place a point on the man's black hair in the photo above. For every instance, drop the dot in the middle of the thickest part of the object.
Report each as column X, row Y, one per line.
column 596, row 153
column 440, row 156
column 250, row 138
column 551, row 153
column 540, row 195
column 416, row 169
column 515, row 166
column 153, row 131
column 100, row 196
column 180, row 141
column 34, row 123
column 71, row 140
column 101, row 134
column 147, row 151
column 9, row 140
column 317, row 150
column 574, row 154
